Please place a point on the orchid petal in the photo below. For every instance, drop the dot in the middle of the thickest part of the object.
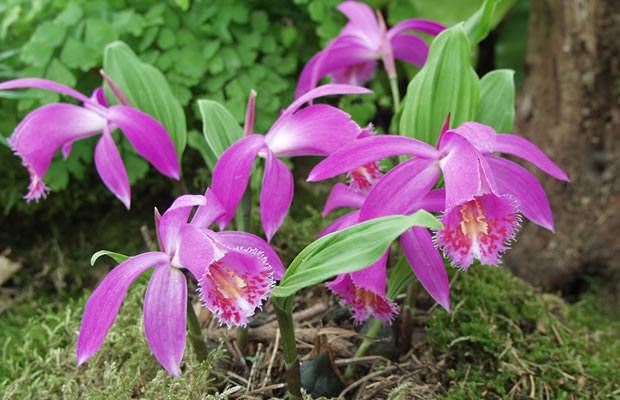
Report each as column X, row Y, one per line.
column 42, row 132
column 517, row 182
column 482, row 137
column 343, row 196
column 363, row 151
column 316, row 130
column 165, row 308
column 433, row 201
column 460, row 169
column 341, row 53
column 174, row 218
column 276, row 194
column 247, row 241
column 44, row 84
column 111, row 169
column 205, row 215
column 231, row 174
column 427, row 264
column 324, row 90
column 362, row 20
column 195, row 251
column 149, row 137
column 373, row 277
column 420, row 25
column 410, row 48
column 98, row 96
column 520, row 147
column 400, row 189
column 341, row 223
column 355, row 74
column 104, row 303
column 234, row 286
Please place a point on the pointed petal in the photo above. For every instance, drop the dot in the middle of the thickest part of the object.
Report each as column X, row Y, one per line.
column 315, row 130
column 276, row 194
column 373, row 277
column 427, row 264
column 45, row 130
column 362, row 20
column 363, row 151
column 195, row 251
column 247, row 241
column 517, row 146
column 410, row 48
column 324, row 90
column 482, row 137
column 174, row 218
column 231, row 174
column 165, row 308
column 149, row 137
column 460, row 169
column 205, row 215
column 104, row 303
column 98, row 96
column 235, row 286
column 343, row 196
column 341, row 54
column 400, row 189
column 517, row 182
column 248, row 125
column 43, row 84
column 111, row 168
column 420, row 25
column 341, row 223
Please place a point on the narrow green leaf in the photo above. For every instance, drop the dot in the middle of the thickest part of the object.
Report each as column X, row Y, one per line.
column 400, row 277
column 119, row 258
column 478, row 25
column 497, row 100
column 219, row 127
column 197, row 142
column 446, row 84
column 348, row 250
column 146, row 88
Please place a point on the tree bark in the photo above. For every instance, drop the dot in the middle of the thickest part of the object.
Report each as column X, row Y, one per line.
column 569, row 107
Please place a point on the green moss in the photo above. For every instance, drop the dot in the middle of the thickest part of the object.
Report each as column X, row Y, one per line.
column 504, row 340
column 39, row 358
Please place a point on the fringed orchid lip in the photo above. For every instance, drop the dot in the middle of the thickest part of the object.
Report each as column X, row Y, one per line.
column 364, row 178
column 364, row 302
column 481, row 228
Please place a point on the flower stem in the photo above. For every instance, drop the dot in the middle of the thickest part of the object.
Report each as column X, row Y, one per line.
column 395, row 93
column 361, row 351
column 244, row 225
column 284, row 313
column 195, row 334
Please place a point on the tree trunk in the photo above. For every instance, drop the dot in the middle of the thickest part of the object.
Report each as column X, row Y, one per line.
column 569, row 107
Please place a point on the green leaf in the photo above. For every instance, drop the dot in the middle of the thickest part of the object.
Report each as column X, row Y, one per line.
column 99, row 33
column 446, row 84
column 183, row 4
column 119, row 258
column 146, row 89
column 400, row 277
column 76, row 54
column 166, row 39
column 50, row 33
column 219, row 127
column 348, row 250
column 497, row 100
column 198, row 142
column 478, row 25
column 59, row 73
column 70, row 15
column 36, row 54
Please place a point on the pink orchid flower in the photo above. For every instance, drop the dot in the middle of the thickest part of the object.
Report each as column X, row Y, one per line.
column 352, row 56
column 318, row 129
column 53, row 126
column 235, row 273
column 483, row 192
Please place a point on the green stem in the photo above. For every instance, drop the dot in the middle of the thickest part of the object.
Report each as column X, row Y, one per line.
column 195, row 334
column 395, row 93
column 243, row 225
column 361, row 351
column 284, row 314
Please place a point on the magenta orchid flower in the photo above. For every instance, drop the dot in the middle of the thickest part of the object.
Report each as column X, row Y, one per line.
column 319, row 129
column 364, row 290
column 235, row 273
column 53, row 126
column 484, row 192
column 352, row 56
